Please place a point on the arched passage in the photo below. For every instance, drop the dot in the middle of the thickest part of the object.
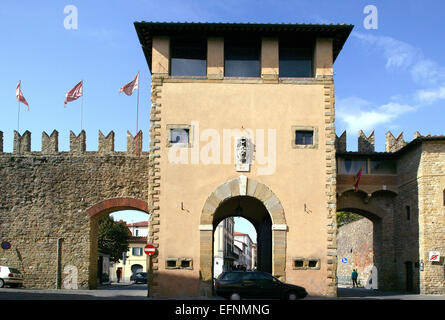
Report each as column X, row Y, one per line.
column 98, row 211
column 378, row 207
column 256, row 213
column 261, row 207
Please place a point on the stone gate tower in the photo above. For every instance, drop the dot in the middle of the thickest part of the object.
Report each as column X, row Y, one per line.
column 242, row 124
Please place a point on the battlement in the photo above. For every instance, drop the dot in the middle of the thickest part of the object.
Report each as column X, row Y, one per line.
column 50, row 143
column 366, row 144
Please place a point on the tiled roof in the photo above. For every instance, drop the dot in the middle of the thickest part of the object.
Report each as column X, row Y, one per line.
column 138, row 224
column 138, row 239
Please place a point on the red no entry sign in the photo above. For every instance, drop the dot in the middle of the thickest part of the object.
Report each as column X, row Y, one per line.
column 149, row 249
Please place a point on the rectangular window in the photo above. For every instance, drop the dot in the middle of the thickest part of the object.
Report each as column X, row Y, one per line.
column 352, row 166
column 408, row 213
column 296, row 58
column 136, row 251
column 137, row 232
column 188, row 57
column 186, row 263
column 171, row 263
column 304, row 137
column 298, row 263
column 383, row 167
column 313, row 264
column 242, row 57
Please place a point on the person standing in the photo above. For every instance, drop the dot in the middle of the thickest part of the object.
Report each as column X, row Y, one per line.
column 118, row 274
column 354, row 277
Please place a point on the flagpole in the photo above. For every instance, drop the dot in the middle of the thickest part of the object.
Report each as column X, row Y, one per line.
column 18, row 116
column 81, row 109
column 18, row 108
column 137, row 109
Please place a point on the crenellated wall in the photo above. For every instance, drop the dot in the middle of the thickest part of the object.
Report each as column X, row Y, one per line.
column 406, row 207
column 44, row 196
column 50, row 143
column 366, row 144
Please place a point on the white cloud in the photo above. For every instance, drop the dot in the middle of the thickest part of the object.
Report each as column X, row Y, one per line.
column 427, row 97
column 404, row 56
column 359, row 114
column 398, row 54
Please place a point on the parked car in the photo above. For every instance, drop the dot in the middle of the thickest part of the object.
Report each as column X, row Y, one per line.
column 10, row 276
column 235, row 285
column 139, row 277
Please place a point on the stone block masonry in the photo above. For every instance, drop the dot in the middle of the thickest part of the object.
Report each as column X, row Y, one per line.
column 44, row 196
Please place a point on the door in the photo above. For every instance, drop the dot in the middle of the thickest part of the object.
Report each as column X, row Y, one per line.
column 409, row 276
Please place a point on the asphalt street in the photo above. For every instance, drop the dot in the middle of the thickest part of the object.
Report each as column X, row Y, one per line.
column 127, row 291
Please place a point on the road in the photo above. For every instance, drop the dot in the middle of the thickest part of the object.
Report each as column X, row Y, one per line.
column 139, row 292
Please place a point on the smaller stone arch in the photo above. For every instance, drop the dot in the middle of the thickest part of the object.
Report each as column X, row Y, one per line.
column 116, row 204
column 99, row 210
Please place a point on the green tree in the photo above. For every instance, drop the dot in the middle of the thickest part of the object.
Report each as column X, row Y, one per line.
column 113, row 238
column 346, row 217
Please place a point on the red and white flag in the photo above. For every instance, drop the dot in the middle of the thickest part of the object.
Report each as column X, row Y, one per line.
column 130, row 87
column 19, row 95
column 357, row 179
column 74, row 93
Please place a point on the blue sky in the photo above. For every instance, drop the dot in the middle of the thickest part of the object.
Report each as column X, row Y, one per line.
column 389, row 78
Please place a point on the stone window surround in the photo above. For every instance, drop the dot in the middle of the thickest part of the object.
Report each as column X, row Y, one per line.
column 175, row 260
column 178, row 263
column 314, row 144
column 180, row 126
column 306, row 264
column 189, row 260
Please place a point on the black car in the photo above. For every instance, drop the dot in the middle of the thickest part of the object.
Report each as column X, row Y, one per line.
column 140, row 277
column 235, row 285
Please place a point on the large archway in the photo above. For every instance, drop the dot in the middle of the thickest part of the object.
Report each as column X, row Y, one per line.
column 98, row 211
column 262, row 208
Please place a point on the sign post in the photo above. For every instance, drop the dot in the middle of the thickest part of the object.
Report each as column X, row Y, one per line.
column 149, row 249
